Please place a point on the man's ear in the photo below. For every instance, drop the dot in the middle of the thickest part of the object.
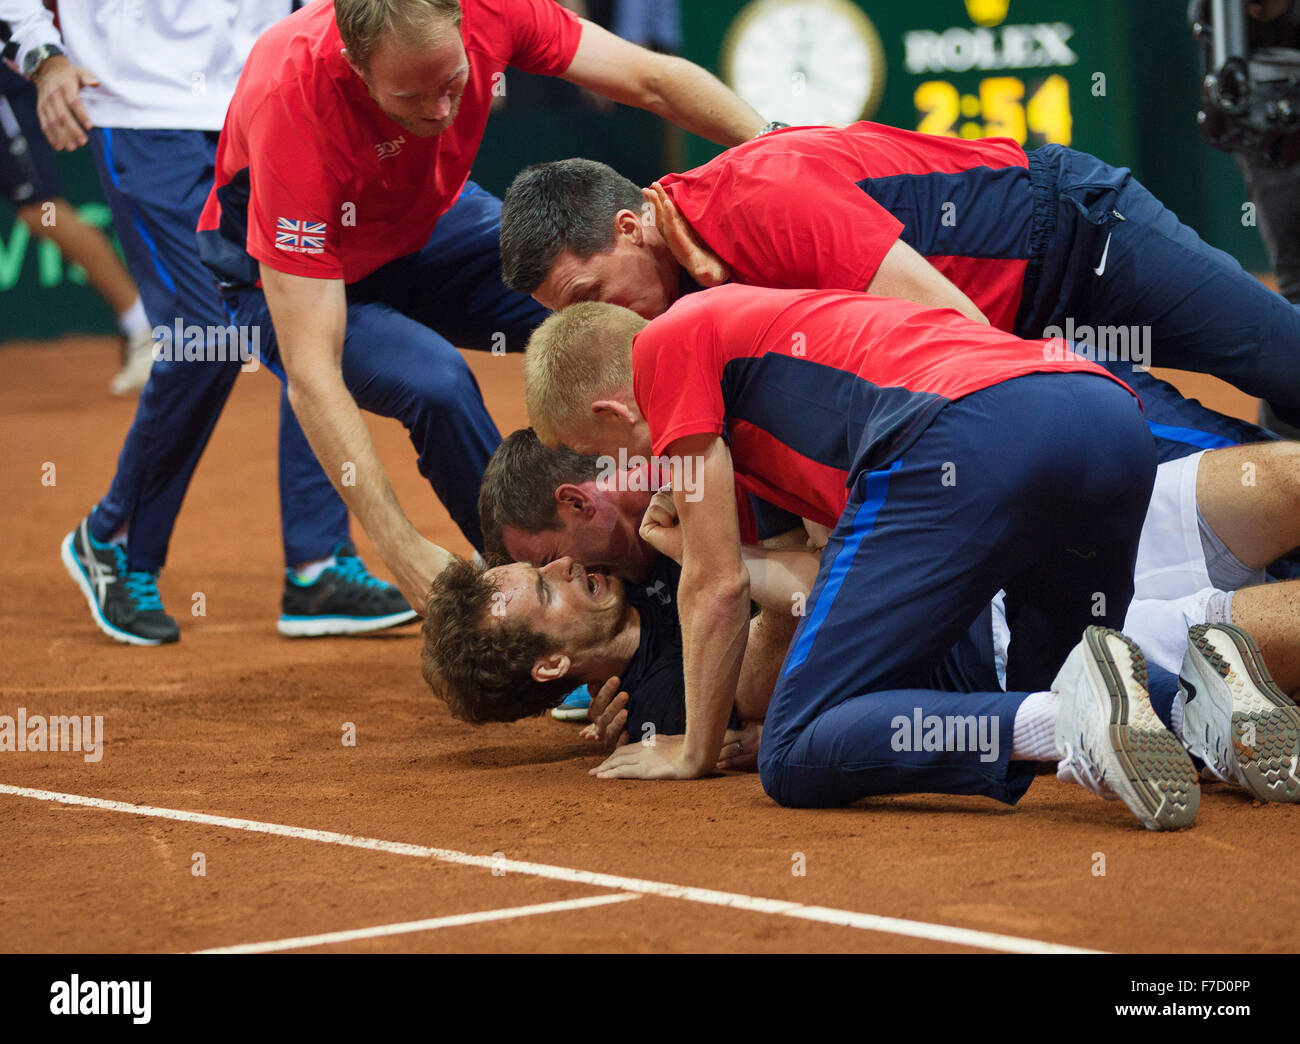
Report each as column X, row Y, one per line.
column 628, row 223
column 550, row 667
column 613, row 408
column 574, row 499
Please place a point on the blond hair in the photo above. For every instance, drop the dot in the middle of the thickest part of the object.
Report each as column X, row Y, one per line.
column 415, row 23
column 575, row 357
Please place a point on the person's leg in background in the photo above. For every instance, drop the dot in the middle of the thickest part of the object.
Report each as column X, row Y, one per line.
column 318, row 521
column 1276, row 194
column 156, row 182
column 29, row 178
column 87, row 246
column 117, row 551
column 327, row 590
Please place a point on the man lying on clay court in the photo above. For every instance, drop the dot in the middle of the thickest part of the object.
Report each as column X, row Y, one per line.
column 1215, row 521
column 1030, row 241
column 509, row 642
column 527, row 483
column 930, row 445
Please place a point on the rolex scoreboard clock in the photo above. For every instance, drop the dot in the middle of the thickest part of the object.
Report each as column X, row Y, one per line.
column 805, row 61
column 1037, row 71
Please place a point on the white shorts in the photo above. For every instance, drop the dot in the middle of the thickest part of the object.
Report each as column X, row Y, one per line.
column 1171, row 581
column 1171, row 556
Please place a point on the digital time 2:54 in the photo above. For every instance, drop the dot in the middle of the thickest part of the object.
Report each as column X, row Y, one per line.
column 1002, row 107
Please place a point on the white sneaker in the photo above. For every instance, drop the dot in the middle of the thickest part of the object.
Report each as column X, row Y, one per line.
column 1245, row 729
column 137, row 362
column 1111, row 739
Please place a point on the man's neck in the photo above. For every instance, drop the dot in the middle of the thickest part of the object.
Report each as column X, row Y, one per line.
column 612, row 656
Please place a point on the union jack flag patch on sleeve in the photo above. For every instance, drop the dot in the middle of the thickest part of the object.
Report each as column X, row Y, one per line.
column 300, row 237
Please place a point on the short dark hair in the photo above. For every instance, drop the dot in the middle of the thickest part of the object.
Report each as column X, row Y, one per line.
column 552, row 207
column 482, row 669
column 519, row 486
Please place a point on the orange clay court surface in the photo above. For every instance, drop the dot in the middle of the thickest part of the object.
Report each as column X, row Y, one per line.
column 230, row 744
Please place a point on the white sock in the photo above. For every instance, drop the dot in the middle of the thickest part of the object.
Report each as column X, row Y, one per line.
column 1176, row 714
column 1218, row 609
column 310, row 572
column 133, row 320
column 1034, row 734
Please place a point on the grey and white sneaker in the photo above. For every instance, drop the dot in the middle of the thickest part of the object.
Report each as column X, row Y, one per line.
column 1110, row 738
column 137, row 361
column 1245, row 729
column 125, row 605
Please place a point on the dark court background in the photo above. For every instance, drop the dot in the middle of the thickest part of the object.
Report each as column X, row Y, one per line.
column 1116, row 78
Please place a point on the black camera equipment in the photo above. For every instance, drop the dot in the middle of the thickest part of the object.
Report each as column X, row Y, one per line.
column 1250, row 95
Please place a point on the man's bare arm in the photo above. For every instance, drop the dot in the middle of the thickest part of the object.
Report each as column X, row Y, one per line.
column 713, row 604
column 671, row 87
column 780, row 579
column 310, row 318
column 905, row 273
column 769, row 639
column 781, row 574
column 713, row 597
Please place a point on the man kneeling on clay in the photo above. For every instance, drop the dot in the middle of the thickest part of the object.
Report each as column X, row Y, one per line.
column 537, row 504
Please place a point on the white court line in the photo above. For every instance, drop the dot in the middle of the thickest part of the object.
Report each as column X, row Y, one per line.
column 43, row 690
column 779, row 907
column 427, row 925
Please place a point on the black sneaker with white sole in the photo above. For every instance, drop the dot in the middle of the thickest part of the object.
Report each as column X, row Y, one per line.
column 1245, row 729
column 344, row 599
column 1111, row 740
column 125, row 605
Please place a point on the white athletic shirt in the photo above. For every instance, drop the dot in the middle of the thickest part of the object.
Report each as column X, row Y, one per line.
column 160, row 63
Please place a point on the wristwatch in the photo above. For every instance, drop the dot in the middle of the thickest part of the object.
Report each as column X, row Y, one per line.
column 775, row 125
column 32, row 59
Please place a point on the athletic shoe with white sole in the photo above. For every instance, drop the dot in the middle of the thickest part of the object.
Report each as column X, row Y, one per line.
column 1111, row 740
column 574, row 706
column 1245, row 729
column 125, row 605
column 344, row 599
column 137, row 361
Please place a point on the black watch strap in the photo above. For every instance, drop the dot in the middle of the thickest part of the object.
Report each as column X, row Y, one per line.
column 33, row 59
